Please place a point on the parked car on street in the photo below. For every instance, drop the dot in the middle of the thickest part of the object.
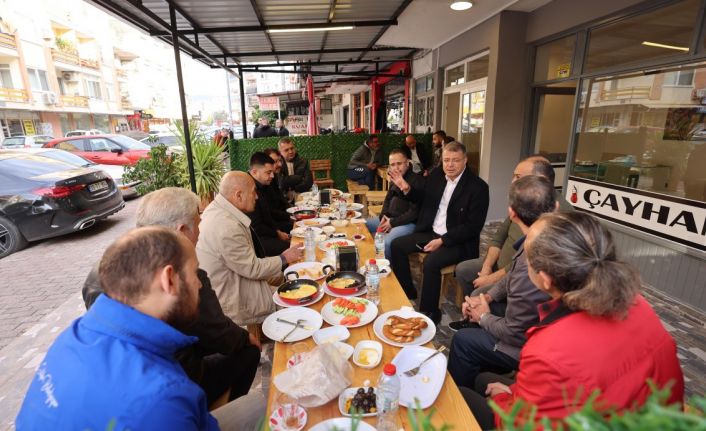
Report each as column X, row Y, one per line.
column 104, row 149
column 24, row 141
column 84, row 132
column 116, row 172
column 43, row 198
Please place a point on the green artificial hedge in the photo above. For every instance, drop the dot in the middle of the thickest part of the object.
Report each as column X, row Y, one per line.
column 337, row 148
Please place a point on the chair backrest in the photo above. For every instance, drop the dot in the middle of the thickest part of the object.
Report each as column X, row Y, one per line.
column 320, row 166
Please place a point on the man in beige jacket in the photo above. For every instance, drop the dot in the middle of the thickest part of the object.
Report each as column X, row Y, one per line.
column 229, row 250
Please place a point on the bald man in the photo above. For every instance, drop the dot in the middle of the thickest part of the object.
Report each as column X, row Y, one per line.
column 230, row 252
column 418, row 157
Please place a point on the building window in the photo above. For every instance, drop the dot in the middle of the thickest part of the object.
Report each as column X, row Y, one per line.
column 646, row 135
column 326, row 107
column 424, row 84
column 94, row 89
column 680, row 78
column 553, row 60
column 5, row 76
column 659, row 34
column 421, row 112
column 38, row 79
column 477, row 69
column 455, row 76
column 430, row 111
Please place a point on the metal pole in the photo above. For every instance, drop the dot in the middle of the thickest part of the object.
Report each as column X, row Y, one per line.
column 182, row 98
column 242, row 103
column 230, row 107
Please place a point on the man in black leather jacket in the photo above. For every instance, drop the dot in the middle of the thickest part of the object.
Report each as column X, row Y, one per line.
column 226, row 356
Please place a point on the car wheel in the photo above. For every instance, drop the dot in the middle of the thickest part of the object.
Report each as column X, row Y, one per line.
column 11, row 240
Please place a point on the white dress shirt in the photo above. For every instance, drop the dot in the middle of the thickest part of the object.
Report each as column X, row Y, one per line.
column 416, row 163
column 439, row 225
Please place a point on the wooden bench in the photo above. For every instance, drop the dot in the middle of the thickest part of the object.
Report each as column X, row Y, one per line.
column 357, row 190
column 321, row 166
column 375, row 200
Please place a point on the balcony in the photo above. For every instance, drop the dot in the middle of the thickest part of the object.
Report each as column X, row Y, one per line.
column 77, row 101
column 91, row 64
column 627, row 93
column 65, row 57
column 8, row 41
column 13, row 95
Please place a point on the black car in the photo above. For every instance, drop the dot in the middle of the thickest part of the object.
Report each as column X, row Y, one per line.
column 42, row 198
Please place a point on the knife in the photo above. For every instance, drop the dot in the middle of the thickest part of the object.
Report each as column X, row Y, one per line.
column 302, row 326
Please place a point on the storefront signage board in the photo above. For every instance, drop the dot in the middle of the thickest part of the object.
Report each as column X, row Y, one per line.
column 669, row 217
column 29, row 127
column 268, row 103
column 296, row 124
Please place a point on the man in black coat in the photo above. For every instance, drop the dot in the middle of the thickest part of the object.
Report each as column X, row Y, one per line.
column 454, row 204
column 281, row 130
column 264, row 130
column 278, row 202
column 296, row 175
column 273, row 240
column 226, row 356
column 420, row 159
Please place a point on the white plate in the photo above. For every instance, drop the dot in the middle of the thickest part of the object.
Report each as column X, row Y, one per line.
column 349, row 393
column 324, row 245
column 306, row 265
column 299, row 232
column 355, row 206
column 335, row 193
column 276, row 330
column 277, row 300
column 331, row 334
column 358, row 221
column 333, row 318
column 382, row 273
column 341, row 424
column 294, row 209
column 328, row 291
column 427, row 333
column 427, row 384
column 315, row 222
column 345, row 349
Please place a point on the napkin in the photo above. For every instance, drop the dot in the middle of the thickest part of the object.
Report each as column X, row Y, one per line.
column 321, row 377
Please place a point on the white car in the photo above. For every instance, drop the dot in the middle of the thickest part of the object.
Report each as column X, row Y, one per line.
column 84, row 133
column 22, row 141
column 116, row 172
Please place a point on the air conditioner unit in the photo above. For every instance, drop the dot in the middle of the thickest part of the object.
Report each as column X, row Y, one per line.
column 50, row 98
column 69, row 76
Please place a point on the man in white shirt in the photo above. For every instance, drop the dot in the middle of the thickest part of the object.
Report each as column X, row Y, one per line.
column 454, row 204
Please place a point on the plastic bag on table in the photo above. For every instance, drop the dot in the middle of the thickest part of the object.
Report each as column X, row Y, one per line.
column 318, row 379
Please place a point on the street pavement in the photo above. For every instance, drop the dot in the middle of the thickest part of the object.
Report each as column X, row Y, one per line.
column 40, row 295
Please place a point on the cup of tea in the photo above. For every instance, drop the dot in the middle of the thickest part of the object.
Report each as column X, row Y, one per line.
column 288, row 414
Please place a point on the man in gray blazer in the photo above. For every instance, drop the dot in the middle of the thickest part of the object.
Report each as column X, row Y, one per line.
column 493, row 343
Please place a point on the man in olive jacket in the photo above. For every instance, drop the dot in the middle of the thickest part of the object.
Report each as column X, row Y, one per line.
column 365, row 161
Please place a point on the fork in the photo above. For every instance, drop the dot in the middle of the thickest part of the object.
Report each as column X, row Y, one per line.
column 299, row 321
column 414, row 371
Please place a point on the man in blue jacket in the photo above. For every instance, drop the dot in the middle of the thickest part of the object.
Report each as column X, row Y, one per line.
column 114, row 368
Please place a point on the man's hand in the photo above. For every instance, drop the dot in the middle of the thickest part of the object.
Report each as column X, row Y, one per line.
column 372, row 166
column 426, row 172
column 292, row 254
column 433, row 245
column 385, row 224
column 398, row 180
column 283, row 236
column 485, row 270
column 255, row 341
column 478, row 310
column 496, row 388
column 487, row 280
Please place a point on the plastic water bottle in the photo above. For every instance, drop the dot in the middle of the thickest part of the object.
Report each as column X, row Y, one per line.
column 309, row 245
column 372, row 281
column 342, row 209
column 388, row 398
column 380, row 244
column 315, row 193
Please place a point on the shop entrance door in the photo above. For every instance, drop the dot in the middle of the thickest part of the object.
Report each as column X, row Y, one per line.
column 553, row 108
column 452, row 103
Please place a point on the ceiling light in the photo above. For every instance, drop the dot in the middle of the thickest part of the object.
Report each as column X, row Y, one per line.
column 295, row 30
column 461, row 5
column 661, row 45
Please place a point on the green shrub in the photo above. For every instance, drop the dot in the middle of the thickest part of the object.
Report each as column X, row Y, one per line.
column 158, row 171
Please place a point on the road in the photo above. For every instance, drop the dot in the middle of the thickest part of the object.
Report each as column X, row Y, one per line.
column 36, row 280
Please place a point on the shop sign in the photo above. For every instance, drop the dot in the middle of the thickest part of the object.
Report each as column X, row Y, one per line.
column 29, row 127
column 670, row 217
column 595, row 122
column 563, row 70
column 268, row 103
column 47, row 129
column 296, row 124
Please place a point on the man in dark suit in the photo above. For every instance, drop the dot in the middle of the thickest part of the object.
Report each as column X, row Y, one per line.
column 273, row 240
column 278, row 202
column 454, row 204
column 419, row 158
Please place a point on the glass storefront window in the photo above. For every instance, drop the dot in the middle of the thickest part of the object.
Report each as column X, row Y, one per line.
column 477, row 68
column 430, row 111
column 643, row 131
column 553, row 60
column 662, row 33
column 455, row 76
column 420, row 110
column 472, row 115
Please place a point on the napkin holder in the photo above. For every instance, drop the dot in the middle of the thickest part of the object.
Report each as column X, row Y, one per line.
column 347, row 258
column 325, row 197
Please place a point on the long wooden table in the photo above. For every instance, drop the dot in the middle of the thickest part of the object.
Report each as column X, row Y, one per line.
column 449, row 407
